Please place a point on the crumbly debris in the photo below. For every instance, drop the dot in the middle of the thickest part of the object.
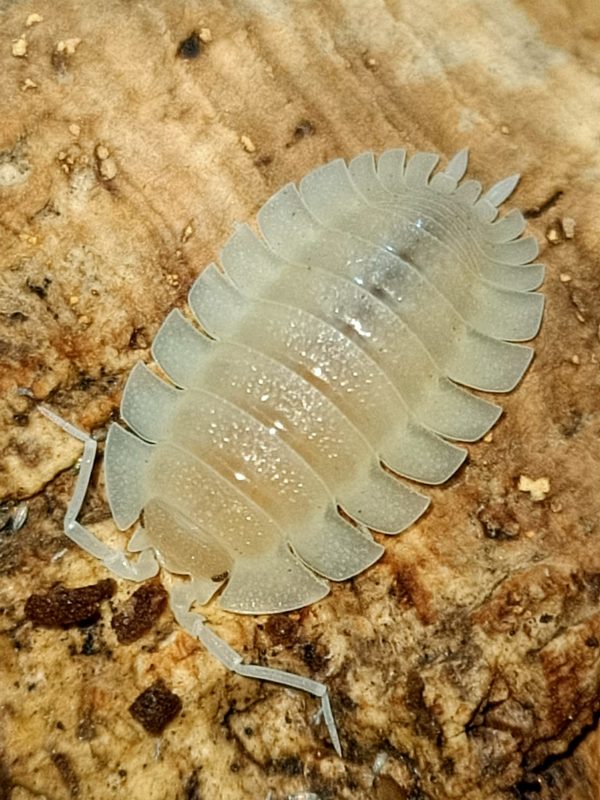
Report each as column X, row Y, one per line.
column 190, row 47
column 19, row 47
column 67, row 772
column 553, row 234
column 155, row 707
column 68, row 46
column 172, row 279
column 568, row 226
column 303, row 129
column 139, row 613
column 33, row 19
column 538, row 489
column 248, row 144
column 62, row 606
column 108, row 168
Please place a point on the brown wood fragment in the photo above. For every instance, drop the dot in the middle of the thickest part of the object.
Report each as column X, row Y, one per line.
column 61, row 606
column 155, row 707
column 139, row 613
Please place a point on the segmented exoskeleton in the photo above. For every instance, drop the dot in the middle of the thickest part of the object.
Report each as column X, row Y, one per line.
column 333, row 350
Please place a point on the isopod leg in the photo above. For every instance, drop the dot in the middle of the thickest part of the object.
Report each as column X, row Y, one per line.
column 182, row 596
column 116, row 561
column 297, row 682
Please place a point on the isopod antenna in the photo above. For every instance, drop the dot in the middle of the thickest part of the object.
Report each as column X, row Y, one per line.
column 116, row 561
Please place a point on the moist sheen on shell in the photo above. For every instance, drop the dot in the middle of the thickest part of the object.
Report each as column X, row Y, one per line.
column 335, row 352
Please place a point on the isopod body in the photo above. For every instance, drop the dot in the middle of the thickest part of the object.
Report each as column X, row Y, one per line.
column 335, row 352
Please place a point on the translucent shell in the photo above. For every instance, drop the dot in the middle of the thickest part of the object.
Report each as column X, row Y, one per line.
column 334, row 350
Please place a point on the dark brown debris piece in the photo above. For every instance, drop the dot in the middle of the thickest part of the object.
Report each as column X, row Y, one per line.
column 139, row 613
column 303, row 129
column 62, row 606
column 155, row 707
column 63, row 764
column 190, row 47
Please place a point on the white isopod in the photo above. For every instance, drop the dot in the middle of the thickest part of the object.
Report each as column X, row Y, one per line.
column 334, row 343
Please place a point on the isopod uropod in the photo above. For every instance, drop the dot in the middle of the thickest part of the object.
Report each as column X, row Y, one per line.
column 336, row 342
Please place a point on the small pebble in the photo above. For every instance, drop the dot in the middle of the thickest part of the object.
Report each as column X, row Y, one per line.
column 28, row 237
column 538, row 489
column 19, row 47
column 108, row 168
column 248, row 144
column 379, row 762
column 568, row 226
column 68, row 46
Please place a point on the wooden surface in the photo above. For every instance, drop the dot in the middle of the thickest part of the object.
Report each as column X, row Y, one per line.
column 129, row 147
